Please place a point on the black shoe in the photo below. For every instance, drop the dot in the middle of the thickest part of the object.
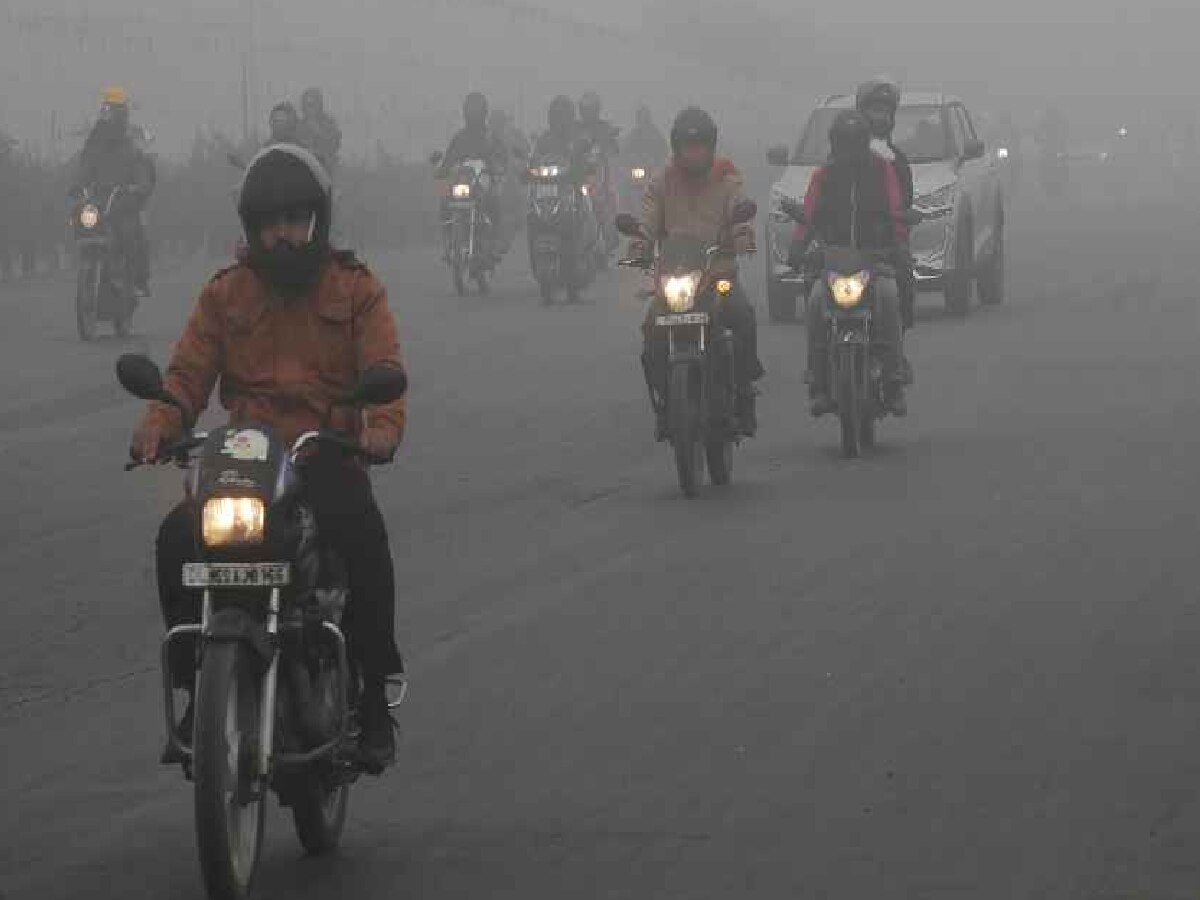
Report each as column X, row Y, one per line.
column 377, row 742
column 183, row 732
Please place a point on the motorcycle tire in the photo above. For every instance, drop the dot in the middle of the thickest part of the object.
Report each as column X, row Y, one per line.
column 682, row 418
column 719, row 452
column 849, row 405
column 460, row 280
column 229, row 825
column 87, row 299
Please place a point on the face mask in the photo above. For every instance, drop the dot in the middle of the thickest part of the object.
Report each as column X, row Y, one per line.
column 289, row 269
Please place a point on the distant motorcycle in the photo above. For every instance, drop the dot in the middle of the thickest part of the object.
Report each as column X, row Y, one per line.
column 566, row 246
column 467, row 231
column 104, row 284
column 701, row 399
column 275, row 692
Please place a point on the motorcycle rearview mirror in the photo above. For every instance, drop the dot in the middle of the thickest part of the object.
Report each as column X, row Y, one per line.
column 140, row 376
column 778, row 156
column 629, row 226
column 744, row 211
column 380, row 384
column 435, row 157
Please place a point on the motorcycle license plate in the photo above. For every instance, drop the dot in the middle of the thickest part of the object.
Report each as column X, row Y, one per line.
column 236, row 575
column 545, row 191
column 460, row 204
column 694, row 318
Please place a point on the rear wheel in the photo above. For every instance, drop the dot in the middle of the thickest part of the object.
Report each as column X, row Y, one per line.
column 849, row 404
column 546, row 289
column 719, row 453
column 229, row 805
column 87, row 298
column 682, row 417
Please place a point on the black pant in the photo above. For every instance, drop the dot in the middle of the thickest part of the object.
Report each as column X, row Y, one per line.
column 349, row 522
column 733, row 312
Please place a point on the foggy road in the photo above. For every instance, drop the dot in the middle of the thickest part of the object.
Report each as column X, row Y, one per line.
column 964, row 666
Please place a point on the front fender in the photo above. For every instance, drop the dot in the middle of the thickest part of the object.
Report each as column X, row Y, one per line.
column 233, row 625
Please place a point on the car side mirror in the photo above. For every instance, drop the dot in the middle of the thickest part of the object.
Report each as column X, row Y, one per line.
column 974, row 150
column 629, row 226
column 778, row 156
column 380, row 384
column 743, row 211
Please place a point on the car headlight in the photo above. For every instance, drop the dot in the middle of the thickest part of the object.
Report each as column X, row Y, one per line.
column 638, row 174
column 1002, row 153
column 680, row 291
column 89, row 216
column 233, row 521
column 461, row 192
column 847, row 290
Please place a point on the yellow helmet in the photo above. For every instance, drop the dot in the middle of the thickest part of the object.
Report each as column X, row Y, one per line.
column 114, row 96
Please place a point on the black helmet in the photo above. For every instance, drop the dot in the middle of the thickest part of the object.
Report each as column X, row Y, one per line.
column 561, row 112
column 693, row 126
column 881, row 91
column 475, row 109
column 283, row 178
column 850, row 136
column 590, row 106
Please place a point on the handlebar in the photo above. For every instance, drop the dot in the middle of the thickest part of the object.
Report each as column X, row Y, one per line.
column 180, row 451
column 176, row 453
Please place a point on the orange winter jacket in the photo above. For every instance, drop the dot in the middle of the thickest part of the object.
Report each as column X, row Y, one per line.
column 285, row 363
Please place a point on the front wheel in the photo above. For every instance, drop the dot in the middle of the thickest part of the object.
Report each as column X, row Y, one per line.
column 719, row 452
column 682, row 415
column 319, row 813
column 991, row 279
column 228, row 797
column 849, row 404
column 960, row 277
column 87, row 298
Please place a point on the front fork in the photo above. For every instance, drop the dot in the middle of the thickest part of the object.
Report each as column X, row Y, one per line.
column 268, row 689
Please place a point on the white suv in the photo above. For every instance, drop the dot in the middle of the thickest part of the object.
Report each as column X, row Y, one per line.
column 957, row 185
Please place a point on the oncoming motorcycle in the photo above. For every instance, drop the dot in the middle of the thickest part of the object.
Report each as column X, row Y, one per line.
column 467, row 230
column 275, row 692
column 104, row 284
column 701, row 398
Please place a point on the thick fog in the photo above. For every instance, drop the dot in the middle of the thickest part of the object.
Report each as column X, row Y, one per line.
column 394, row 73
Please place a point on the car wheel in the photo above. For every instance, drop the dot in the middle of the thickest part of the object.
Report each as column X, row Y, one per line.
column 960, row 277
column 991, row 278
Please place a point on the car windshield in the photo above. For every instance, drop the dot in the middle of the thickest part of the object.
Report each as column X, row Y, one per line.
column 921, row 133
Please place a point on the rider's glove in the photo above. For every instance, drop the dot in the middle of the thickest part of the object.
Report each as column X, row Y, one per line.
column 148, row 440
column 379, row 441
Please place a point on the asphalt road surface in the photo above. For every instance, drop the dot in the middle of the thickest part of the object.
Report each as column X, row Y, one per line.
column 966, row 666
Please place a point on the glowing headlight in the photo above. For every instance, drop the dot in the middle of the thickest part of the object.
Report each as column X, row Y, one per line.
column 544, row 171
column 638, row 174
column 460, row 191
column 89, row 216
column 847, row 290
column 585, row 190
column 233, row 521
column 680, row 291
column 1002, row 153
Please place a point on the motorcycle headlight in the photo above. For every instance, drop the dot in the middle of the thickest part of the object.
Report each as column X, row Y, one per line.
column 1002, row 153
column 847, row 290
column 233, row 522
column 89, row 216
column 585, row 190
column 680, row 291
column 544, row 171
column 638, row 174
column 461, row 192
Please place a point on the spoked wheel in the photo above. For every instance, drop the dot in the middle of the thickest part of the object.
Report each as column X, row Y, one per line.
column 684, row 438
column 87, row 299
column 229, row 807
column 849, row 405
